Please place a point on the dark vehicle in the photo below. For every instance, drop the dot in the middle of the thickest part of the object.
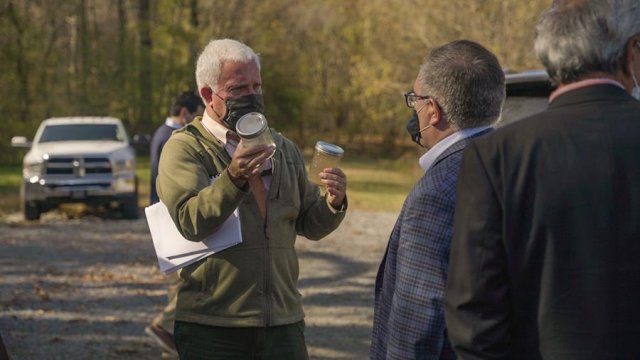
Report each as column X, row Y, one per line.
column 527, row 93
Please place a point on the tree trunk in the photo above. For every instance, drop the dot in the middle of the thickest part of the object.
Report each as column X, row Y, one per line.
column 121, row 69
column 83, row 58
column 145, row 103
column 21, row 64
column 194, row 47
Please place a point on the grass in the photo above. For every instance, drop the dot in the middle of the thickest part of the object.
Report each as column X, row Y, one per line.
column 372, row 185
column 379, row 185
column 10, row 176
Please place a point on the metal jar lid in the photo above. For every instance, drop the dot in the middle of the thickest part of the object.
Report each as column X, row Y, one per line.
column 330, row 149
column 251, row 125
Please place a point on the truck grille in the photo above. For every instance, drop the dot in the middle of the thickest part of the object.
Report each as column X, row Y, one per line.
column 78, row 166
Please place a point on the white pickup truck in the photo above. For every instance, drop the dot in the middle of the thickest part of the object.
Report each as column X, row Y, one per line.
column 78, row 160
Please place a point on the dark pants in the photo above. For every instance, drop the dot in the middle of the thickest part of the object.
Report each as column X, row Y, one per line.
column 197, row 341
column 3, row 351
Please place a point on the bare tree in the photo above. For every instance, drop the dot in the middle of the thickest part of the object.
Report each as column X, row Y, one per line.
column 145, row 64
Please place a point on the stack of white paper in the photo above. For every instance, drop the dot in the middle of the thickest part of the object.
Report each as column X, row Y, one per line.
column 174, row 251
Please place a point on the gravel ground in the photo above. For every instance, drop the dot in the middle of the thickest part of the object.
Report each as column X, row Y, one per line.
column 85, row 288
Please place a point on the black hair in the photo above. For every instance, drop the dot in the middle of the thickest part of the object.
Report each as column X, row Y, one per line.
column 188, row 99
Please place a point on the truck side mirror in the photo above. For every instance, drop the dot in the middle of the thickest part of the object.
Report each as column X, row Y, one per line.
column 20, row 142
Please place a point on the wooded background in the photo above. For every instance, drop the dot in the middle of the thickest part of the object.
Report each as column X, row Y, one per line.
column 331, row 69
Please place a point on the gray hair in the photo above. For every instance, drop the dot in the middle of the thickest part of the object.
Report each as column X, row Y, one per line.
column 466, row 81
column 576, row 37
column 214, row 55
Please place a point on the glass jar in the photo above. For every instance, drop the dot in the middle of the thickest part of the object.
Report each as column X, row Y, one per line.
column 326, row 155
column 254, row 130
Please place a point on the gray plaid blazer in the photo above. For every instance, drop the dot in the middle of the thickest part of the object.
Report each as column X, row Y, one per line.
column 408, row 315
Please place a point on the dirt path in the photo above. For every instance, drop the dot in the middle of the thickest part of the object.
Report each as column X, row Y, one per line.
column 86, row 288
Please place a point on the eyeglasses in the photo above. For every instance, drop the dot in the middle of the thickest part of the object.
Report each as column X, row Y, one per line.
column 410, row 99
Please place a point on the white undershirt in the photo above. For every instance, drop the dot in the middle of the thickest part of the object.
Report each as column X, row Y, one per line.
column 427, row 160
column 172, row 124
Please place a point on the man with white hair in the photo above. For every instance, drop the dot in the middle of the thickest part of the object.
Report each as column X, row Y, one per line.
column 243, row 302
column 545, row 254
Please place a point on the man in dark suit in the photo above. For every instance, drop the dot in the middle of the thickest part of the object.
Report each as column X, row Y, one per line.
column 545, row 258
column 458, row 94
column 186, row 106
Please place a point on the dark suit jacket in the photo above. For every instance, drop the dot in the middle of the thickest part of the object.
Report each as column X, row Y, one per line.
column 545, row 257
column 409, row 317
column 160, row 137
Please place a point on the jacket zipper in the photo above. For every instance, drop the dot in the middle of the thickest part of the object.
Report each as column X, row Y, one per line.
column 267, row 249
column 267, row 279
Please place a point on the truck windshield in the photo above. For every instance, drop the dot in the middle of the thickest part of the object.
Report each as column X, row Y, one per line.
column 81, row 132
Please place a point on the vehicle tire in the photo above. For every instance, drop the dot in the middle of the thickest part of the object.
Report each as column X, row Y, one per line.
column 30, row 211
column 130, row 208
column 130, row 205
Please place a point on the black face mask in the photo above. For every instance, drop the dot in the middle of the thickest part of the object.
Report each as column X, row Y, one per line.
column 414, row 128
column 241, row 105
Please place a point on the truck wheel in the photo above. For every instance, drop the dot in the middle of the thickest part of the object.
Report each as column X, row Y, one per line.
column 31, row 212
column 130, row 204
column 130, row 207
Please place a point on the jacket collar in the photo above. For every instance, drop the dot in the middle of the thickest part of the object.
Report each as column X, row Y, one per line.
column 201, row 131
column 197, row 129
column 458, row 146
column 600, row 92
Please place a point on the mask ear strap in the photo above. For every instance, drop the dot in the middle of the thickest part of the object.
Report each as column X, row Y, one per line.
column 216, row 94
column 635, row 92
column 424, row 128
column 226, row 112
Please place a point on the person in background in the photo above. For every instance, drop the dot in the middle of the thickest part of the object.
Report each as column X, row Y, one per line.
column 243, row 302
column 544, row 260
column 457, row 95
column 186, row 106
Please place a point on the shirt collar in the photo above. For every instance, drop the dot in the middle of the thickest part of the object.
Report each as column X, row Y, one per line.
column 428, row 159
column 581, row 84
column 223, row 134
column 172, row 124
column 215, row 128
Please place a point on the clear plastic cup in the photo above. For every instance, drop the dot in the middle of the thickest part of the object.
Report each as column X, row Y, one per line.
column 326, row 155
column 253, row 129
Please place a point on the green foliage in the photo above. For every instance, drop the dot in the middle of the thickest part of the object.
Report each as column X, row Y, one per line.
column 10, row 178
column 331, row 68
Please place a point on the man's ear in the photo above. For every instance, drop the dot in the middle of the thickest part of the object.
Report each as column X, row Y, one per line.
column 435, row 117
column 631, row 55
column 207, row 94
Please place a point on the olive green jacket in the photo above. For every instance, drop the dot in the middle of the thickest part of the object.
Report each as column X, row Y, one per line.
column 253, row 283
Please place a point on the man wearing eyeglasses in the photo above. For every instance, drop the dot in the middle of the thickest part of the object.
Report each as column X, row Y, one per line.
column 457, row 95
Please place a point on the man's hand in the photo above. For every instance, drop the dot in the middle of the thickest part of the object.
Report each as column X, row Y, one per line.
column 336, row 182
column 247, row 161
